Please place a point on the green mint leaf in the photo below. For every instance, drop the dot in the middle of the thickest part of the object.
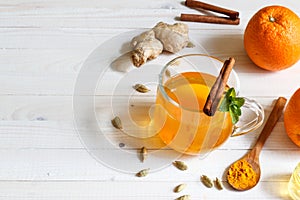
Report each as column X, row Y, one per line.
column 230, row 93
column 234, row 117
column 232, row 104
column 224, row 106
column 236, row 110
column 239, row 101
column 239, row 111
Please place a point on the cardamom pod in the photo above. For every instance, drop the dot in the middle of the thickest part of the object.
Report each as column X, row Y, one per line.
column 190, row 45
column 206, row 181
column 143, row 153
column 218, row 183
column 184, row 197
column 179, row 188
column 141, row 88
column 116, row 122
column 143, row 173
column 180, row 165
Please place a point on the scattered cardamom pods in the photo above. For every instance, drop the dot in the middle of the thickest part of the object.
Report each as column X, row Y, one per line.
column 143, row 153
column 179, row 188
column 143, row 173
column 206, row 181
column 218, row 184
column 180, row 165
column 184, row 197
column 190, row 45
column 116, row 122
column 141, row 88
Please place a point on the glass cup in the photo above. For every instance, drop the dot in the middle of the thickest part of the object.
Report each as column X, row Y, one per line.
column 184, row 84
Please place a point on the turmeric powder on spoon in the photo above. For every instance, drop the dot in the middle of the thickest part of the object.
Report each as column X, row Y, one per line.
column 241, row 175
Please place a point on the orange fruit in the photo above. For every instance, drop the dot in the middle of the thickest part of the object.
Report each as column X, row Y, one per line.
column 272, row 38
column 292, row 118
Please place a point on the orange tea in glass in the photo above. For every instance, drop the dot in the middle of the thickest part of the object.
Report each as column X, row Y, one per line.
column 184, row 84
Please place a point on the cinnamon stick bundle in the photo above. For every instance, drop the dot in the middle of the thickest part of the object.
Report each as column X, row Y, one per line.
column 198, row 4
column 209, row 19
column 217, row 89
column 231, row 19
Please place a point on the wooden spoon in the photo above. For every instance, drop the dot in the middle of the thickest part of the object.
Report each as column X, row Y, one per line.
column 253, row 156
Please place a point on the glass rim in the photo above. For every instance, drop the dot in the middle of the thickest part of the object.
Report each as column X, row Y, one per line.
column 168, row 98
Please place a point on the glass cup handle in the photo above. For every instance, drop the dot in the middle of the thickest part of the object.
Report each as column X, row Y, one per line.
column 252, row 118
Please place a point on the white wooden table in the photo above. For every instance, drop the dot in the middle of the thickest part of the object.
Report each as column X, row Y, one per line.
column 44, row 45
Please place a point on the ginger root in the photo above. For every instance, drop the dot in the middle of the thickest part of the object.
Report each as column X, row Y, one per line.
column 148, row 45
column 173, row 37
column 145, row 47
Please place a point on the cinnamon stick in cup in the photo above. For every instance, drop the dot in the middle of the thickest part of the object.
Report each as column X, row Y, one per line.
column 209, row 19
column 198, row 4
column 217, row 89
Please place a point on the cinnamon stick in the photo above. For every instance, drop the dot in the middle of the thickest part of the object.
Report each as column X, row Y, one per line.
column 209, row 19
column 217, row 89
column 198, row 4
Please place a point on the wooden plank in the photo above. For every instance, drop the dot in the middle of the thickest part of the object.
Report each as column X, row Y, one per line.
column 73, row 40
column 63, row 84
column 41, row 61
column 57, row 83
column 86, row 39
column 56, row 72
column 31, row 4
column 49, row 120
column 169, row 5
column 61, row 135
column 100, row 16
column 59, row 108
column 147, row 190
column 78, row 165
